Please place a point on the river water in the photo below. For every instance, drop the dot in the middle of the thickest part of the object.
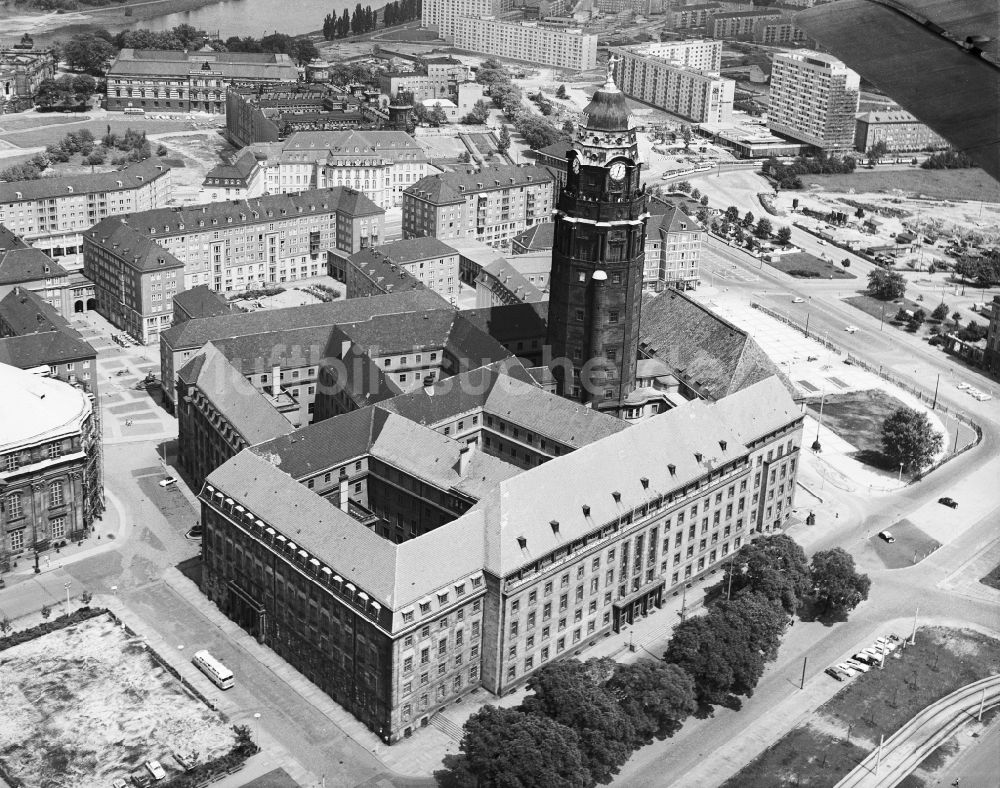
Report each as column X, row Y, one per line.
column 251, row 17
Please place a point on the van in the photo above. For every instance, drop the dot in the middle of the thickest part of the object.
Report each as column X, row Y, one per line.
column 219, row 674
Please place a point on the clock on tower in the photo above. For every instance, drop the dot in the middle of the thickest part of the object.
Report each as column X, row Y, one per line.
column 595, row 288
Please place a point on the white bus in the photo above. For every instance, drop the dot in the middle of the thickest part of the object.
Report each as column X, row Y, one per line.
column 215, row 670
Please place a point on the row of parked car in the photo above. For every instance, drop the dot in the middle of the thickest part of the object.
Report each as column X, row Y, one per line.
column 151, row 772
column 973, row 392
column 865, row 659
column 124, row 340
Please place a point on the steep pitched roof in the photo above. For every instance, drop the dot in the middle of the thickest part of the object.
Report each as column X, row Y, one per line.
column 246, row 409
column 129, row 177
column 446, row 188
column 538, row 237
column 202, row 301
column 19, row 266
column 126, row 242
column 511, row 322
column 238, row 169
column 231, row 65
column 49, row 347
column 674, row 220
column 25, row 312
column 758, row 409
column 503, row 274
column 706, row 352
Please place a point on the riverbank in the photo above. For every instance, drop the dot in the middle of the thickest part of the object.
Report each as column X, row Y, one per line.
column 18, row 19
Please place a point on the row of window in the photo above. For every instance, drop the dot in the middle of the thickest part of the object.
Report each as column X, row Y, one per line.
column 57, row 530
column 15, row 501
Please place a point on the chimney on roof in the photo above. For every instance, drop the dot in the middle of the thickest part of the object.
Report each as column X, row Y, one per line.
column 672, row 468
column 555, row 526
column 645, row 483
column 617, row 496
column 522, row 542
column 698, row 456
column 586, row 510
column 464, row 458
column 722, row 445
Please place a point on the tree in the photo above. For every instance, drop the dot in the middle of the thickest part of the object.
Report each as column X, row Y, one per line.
column 656, row 696
column 568, row 128
column 561, row 92
column 85, row 598
column 5, row 625
column 702, row 215
column 838, row 587
column 909, row 438
column 748, row 219
column 503, row 748
column 465, row 157
column 973, row 332
column 695, row 193
column 89, row 53
column 732, row 214
column 503, row 139
column 437, row 116
column 940, row 311
column 682, row 186
column 573, row 693
column 479, row 114
column 886, row 285
column 704, row 200
column 763, row 228
column 46, row 611
column 697, row 647
column 774, row 566
column 784, row 235
column 304, row 51
column 686, row 135
column 876, row 152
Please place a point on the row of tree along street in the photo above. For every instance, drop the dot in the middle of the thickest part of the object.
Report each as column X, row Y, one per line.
column 584, row 719
column 364, row 20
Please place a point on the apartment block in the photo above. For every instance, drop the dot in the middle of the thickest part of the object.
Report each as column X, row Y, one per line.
column 158, row 80
column 814, row 99
column 702, row 96
column 443, row 15
column 139, row 262
column 426, row 261
column 491, row 205
column 673, row 251
column 699, row 15
column 899, row 130
column 52, row 213
column 569, row 48
column 437, row 77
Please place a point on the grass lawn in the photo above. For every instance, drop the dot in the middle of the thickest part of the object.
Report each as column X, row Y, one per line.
column 49, row 136
column 84, row 705
column 10, row 123
column 857, row 416
column 874, row 307
column 803, row 265
column 410, row 34
column 992, row 579
column 973, row 184
column 871, row 705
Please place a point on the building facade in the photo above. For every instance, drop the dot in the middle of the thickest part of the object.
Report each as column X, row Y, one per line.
column 173, row 81
column 240, row 178
column 598, row 258
column 899, row 130
column 51, row 481
column 393, row 636
column 534, row 42
column 52, row 213
column 491, row 205
column 673, row 251
column 442, row 16
column 427, row 261
column 21, row 72
column 814, row 99
column 699, row 94
column 139, row 262
column 991, row 355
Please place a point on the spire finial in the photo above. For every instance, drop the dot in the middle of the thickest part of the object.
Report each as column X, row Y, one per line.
column 612, row 61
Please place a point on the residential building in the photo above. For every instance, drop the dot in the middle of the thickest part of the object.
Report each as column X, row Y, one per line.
column 175, row 81
column 699, row 15
column 520, row 328
column 595, row 289
column 436, row 77
column 991, row 355
column 52, row 213
column 51, row 483
column 814, row 99
column 738, row 25
column 442, row 15
column 21, row 72
column 426, row 261
column 780, row 31
column 34, row 335
column 370, row 272
column 201, row 301
column 271, row 111
column 346, row 512
column 537, row 238
column 534, row 42
column 700, row 94
column 240, row 178
column 180, row 343
column 673, row 251
column 899, row 130
column 492, row 204
column 700, row 54
column 523, row 279
column 24, row 266
column 139, row 262
column 379, row 164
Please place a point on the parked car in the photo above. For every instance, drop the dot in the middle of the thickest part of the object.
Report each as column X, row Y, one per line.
column 883, row 535
column 156, row 771
column 168, row 481
column 847, row 669
column 951, row 503
column 865, row 657
column 834, row 673
column 798, row 300
column 850, row 329
column 857, row 664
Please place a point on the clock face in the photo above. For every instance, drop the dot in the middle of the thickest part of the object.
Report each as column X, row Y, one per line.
column 617, row 171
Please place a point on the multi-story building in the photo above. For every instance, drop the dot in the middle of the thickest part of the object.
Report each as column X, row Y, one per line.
column 524, row 279
column 814, row 99
column 182, row 342
column 899, row 130
column 438, row 77
column 52, row 213
column 701, row 54
column 699, row 94
column 739, row 25
column 673, row 251
column 780, row 31
column 534, row 42
column 380, row 164
column 595, row 289
column 240, row 178
column 25, row 267
column 427, row 261
column 271, row 111
column 491, row 205
column 699, row 15
column 173, row 81
column 33, row 336
column 991, row 354
column 318, row 542
column 443, row 15
column 139, row 262
column 51, row 483
column 201, row 301
column 21, row 72
column 370, row 272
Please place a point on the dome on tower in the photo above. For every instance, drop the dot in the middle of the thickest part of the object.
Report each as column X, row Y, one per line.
column 607, row 110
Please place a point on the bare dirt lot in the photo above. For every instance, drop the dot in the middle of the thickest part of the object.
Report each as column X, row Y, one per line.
column 84, row 705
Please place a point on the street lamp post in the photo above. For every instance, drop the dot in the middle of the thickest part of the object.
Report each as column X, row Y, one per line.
column 899, row 479
column 256, row 728
column 66, row 585
column 816, row 444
